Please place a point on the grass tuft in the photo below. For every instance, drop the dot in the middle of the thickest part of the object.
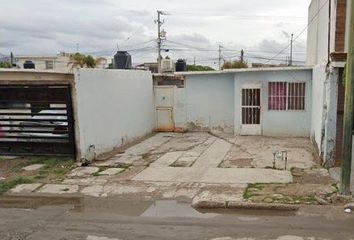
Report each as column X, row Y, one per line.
column 9, row 184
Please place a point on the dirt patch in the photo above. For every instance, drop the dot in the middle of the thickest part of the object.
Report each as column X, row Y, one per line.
column 312, row 176
column 237, row 163
column 53, row 171
column 310, row 186
column 294, row 193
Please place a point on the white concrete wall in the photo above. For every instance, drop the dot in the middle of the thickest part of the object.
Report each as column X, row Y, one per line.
column 209, row 102
column 317, row 119
column 312, row 34
column 113, row 107
column 277, row 123
column 317, row 42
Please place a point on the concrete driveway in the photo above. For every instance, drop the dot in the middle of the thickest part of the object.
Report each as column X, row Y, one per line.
column 188, row 166
column 206, row 158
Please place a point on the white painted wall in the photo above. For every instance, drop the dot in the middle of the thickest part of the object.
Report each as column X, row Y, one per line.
column 317, row 42
column 209, row 102
column 317, row 119
column 312, row 34
column 113, row 107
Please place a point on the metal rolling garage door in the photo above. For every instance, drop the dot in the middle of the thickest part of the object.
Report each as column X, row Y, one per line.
column 36, row 120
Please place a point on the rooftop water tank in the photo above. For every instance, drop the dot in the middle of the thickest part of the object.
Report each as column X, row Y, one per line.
column 181, row 65
column 122, row 60
column 28, row 65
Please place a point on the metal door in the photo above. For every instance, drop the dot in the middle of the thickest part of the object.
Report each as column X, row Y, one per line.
column 251, row 110
column 36, row 120
column 164, row 102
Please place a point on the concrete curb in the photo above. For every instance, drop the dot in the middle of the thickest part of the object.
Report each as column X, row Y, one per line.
column 245, row 205
column 35, row 201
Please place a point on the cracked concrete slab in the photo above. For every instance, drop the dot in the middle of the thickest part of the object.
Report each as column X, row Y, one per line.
column 59, row 189
column 213, row 155
column 87, row 181
column 184, row 162
column 217, row 198
column 26, row 188
column 33, row 167
column 167, row 159
column 214, row 175
column 83, row 171
column 112, row 171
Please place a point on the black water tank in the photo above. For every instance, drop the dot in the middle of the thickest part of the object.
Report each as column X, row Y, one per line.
column 181, row 65
column 28, row 65
column 122, row 60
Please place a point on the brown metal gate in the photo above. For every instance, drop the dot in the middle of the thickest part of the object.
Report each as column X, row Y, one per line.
column 36, row 120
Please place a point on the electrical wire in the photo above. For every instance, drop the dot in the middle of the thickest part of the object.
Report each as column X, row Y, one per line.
column 297, row 36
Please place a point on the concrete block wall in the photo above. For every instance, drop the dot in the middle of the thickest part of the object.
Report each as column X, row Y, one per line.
column 112, row 108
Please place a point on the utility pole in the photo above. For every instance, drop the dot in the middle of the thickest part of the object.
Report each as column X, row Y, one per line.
column 159, row 39
column 77, row 47
column 12, row 59
column 220, row 57
column 291, row 50
column 194, row 60
column 348, row 113
column 242, row 56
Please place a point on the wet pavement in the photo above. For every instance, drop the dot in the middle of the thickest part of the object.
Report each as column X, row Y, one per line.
column 113, row 218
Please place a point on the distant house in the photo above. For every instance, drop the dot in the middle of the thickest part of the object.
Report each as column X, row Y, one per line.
column 58, row 63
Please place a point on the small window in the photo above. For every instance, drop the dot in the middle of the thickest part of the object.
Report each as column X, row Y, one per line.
column 286, row 96
column 296, row 96
column 49, row 65
column 277, row 95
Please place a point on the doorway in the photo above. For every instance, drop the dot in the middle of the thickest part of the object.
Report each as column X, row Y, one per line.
column 251, row 110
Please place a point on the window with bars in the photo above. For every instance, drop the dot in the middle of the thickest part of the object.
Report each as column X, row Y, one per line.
column 286, row 96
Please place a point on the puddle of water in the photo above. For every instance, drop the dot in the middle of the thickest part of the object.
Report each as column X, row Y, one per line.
column 249, row 212
column 173, row 209
column 134, row 208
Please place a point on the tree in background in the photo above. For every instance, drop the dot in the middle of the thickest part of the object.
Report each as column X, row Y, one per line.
column 234, row 64
column 5, row 65
column 199, row 68
column 82, row 61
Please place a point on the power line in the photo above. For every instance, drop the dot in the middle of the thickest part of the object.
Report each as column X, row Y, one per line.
column 312, row 19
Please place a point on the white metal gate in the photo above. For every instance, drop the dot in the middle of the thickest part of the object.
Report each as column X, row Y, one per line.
column 251, row 110
column 164, row 102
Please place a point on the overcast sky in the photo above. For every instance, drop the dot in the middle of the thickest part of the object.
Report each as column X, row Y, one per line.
column 260, row 27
